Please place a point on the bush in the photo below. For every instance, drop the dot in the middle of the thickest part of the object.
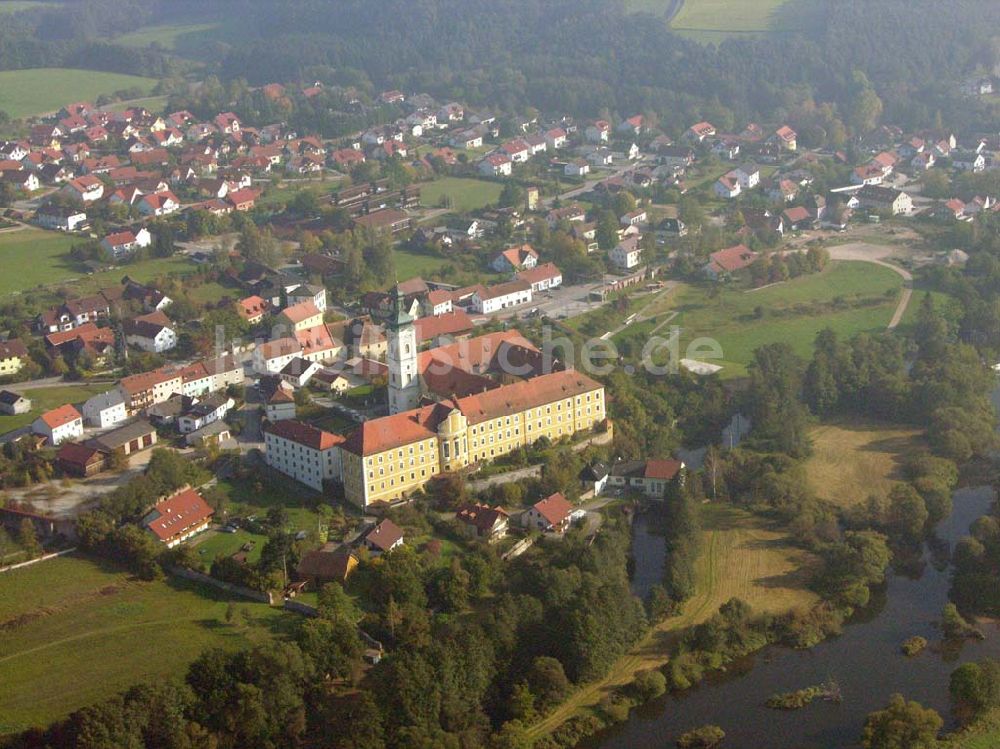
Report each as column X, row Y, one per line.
column 913, row 645
column 648, row 685
column 702, row 738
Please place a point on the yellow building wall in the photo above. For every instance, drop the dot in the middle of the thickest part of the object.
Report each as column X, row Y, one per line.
column 10, row 365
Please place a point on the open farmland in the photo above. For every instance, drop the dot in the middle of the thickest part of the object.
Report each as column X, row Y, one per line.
column 714, row 20
column 76, row 631
column 41, row 90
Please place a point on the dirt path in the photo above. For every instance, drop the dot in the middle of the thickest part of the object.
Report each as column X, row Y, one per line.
column 877, row 254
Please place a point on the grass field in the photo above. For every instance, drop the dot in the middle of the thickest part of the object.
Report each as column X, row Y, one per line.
column 166, row 36
column 246, row 499
column 75, row 632
column 788, row 314
column 45, row 399
column 742, row 556
column 16, row 6
column 35, row 257
column 410, row 264
column 850, row 462
column 714, row 20
column 465, row 194
column 40, row 90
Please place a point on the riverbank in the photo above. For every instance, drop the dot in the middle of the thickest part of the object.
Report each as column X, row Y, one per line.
column 743, row 556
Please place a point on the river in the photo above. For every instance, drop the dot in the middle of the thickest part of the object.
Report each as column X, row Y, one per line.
column 865, row 661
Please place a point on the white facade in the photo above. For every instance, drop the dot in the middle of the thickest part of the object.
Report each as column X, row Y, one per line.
column 57, row 435
column 485, row 303
column 164, row 340
column 305, row 464
column 626, row 254
column 105, row 410
column 401, row 358
column 199, row 418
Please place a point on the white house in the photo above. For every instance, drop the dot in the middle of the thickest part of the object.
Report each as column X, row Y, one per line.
column 299, row 371
column 159, row 204
column 123, row 243
column 626, row 254
column 727, row 186
column 87, row 188
column 271, row 357
column 281, row 405
column 211, row 409
column 495, row 165
column 554, row 514
column 59, row 424
column 748, row 176
column 556, row 138
column 104, row 410
column 152, row 333
column 304, row 452
column 522, row 257
column 61, row 218
column 968, row 161
column 308, row 293
column 487, row 300
column 542, row 277
column 577, row 168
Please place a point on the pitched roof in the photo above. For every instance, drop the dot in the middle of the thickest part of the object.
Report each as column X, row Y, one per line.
column 450, row 323
column 177, row 513
column 330, row 564
column 662, row 468
column 384, row 535
column 503, row 289
column 14, row 348
column 555, row 508
column 539, row 273
column 732, row 258
column 473, row 354
column 61, row 416
column 482, row 517
column 316, row 338
column 304, row 434
column 517, row 397
column 74, row 452
column 280, row 347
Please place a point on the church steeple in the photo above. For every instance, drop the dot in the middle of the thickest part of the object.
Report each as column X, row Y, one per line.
column 404, row 384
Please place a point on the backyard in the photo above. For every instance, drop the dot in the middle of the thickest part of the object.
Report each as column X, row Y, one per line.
column 45, row 399
column 463, row 194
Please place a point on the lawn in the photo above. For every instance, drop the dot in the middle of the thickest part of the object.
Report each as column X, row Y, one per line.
column 35, row 257
column 215, row 543
column 76, row 632
column 850, row 462
column 465, row 194
column 246, row 499
column 410, row 264
column 166, row 36
column 792, row 312
column 45, row 399
column 742, row 556
column 41, row 90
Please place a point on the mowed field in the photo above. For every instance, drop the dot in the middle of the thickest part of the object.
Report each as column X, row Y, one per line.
column 792, row 312
column 465, row 194
column 714, row 20
column 41, row 90
column 742, row 556
column 165, row 36
column 852, row 461
column 34, row 257
column 75, row 632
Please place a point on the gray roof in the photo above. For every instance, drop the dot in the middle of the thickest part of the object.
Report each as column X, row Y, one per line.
column 9, row 397
column 106, row 400
column 123, row 435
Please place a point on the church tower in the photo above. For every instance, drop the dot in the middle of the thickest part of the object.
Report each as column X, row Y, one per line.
column 404, row 384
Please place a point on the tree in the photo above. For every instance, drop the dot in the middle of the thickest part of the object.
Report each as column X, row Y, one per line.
column 907, row 512
column 902, row 725
column 28, row 539
column 607, row 230
column 548, row 682
column 334, row 646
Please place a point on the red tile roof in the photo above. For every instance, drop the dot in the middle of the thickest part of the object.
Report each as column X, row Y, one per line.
column 304, row 434
column 301, row 311
column 176, row 514
column 542, row 272
column 450, row 323
column 733, row 258
column 662, row 469
column 384, row 535
column 61, row 416
column 555, row 509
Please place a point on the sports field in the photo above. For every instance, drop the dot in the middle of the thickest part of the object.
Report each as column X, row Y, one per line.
column 41, row 90
column 742, row 556
column 464, row 194
column 852, row 461
column 76, row 631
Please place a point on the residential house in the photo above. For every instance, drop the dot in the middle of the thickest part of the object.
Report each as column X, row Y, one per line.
column 61, row 218
column 627, row 254
column 968, row 161
column 748, row 175
column 482, row 522
column 123, row 243
column 496, row 165
column 727, row 186
column 786, row 138
column 576, row 168
column 178, row 517
column 280, row 406
column 146, row 389
column 633, row 218
column 443, row 327
column 798, row 218
column 554, row 514
column 22, row 179
column 252, row 309
column 651, row 477
column 487, row 300
column 383, row 537
column 300, row 316
column 543, row 277
column 153, row 333
column 308, row 293
column 13, row 356
column 204, row 412
column 159, row 204
column 515, row 258
column 299, row 371
column 598, row 132
column 730, row 260
column 330, row 563
column 87, row 188
column 59, row 424
column 105, row 410
column 437, row 302
column 271, row 357
column 877, row 198
column 699, row 132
